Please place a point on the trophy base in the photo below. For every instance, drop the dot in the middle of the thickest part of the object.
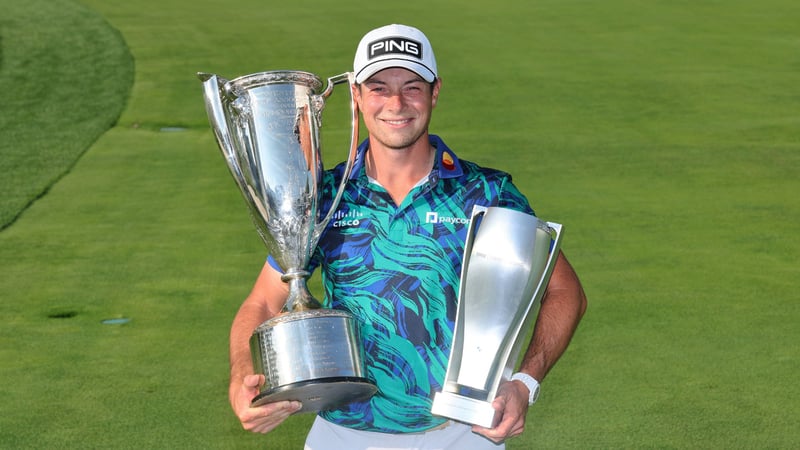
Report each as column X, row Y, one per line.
column 313, row 356
column 464, row 409
column 320, row 395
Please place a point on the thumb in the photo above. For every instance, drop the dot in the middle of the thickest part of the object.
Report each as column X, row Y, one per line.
column 253, row 381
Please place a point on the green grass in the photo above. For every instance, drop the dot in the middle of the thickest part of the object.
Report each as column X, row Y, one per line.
column 64, row 77
column 664, row 135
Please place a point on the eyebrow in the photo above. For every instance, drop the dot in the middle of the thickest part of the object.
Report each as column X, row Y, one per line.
column 376, row 81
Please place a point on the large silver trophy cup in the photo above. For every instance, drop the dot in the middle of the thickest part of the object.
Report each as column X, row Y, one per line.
column 508, row 259
column 267, row 126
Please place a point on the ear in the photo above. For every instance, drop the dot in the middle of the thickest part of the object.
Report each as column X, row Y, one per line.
column 435, row 92
column 355, row 90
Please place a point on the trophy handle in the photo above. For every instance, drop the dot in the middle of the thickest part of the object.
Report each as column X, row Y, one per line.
column 212, row 86
column 347, row 77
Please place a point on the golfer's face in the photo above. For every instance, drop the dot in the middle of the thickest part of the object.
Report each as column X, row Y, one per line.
column 396, row 105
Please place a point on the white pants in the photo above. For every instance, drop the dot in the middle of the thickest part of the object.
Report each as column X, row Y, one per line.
column 457, row 436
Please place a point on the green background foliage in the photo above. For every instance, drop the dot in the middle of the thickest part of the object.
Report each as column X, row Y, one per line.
column 664, row 136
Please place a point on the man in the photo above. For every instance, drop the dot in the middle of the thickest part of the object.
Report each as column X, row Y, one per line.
column 399, row 273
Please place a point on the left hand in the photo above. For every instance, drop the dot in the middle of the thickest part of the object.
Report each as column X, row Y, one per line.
column 511, row 405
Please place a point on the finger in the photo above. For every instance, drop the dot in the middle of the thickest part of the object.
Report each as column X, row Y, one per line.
column 488, row 433
column 511, row 423
column 496, row 434
column 265, row 418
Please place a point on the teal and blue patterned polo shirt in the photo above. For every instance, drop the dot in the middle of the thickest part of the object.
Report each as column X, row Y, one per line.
column 397, row 269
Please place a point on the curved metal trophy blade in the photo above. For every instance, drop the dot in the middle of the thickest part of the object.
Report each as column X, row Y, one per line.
column 508, row 259
column 347, row 77
column 267, row 127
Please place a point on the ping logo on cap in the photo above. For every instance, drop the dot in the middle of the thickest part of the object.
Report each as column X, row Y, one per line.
column 394, row 46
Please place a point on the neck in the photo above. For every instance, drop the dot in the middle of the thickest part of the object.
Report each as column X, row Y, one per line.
column 399, row 170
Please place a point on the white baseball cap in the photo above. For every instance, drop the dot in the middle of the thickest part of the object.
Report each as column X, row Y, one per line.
column 394, row 46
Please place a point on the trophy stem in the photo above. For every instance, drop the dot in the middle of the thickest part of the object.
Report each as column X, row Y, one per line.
column 300, row 298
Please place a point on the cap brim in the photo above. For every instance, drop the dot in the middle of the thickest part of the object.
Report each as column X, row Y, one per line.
column 375, row 67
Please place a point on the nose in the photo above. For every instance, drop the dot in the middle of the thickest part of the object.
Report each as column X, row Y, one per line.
column 395, row 102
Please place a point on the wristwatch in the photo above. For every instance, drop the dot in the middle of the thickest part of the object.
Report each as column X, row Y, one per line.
column 531, row 383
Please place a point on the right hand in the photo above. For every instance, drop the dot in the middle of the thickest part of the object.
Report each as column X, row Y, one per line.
column 264, row 418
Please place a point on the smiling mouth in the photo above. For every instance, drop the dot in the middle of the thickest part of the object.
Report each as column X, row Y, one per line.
column 397, row 122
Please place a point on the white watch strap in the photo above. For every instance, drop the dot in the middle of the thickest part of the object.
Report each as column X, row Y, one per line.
column 531, row 383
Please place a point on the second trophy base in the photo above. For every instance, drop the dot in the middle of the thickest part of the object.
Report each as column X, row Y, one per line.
column 464, row 409
column 321, row 394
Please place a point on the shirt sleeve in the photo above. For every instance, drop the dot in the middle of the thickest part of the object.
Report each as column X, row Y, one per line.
column 512, row 198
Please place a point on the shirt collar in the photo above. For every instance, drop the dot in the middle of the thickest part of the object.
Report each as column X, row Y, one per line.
column 446, row 164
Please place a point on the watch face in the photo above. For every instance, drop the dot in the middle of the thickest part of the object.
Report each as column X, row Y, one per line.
column 534, row 396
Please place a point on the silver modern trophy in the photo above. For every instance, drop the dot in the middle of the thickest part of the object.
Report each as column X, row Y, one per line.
column 508, row 259
column 267, row 126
